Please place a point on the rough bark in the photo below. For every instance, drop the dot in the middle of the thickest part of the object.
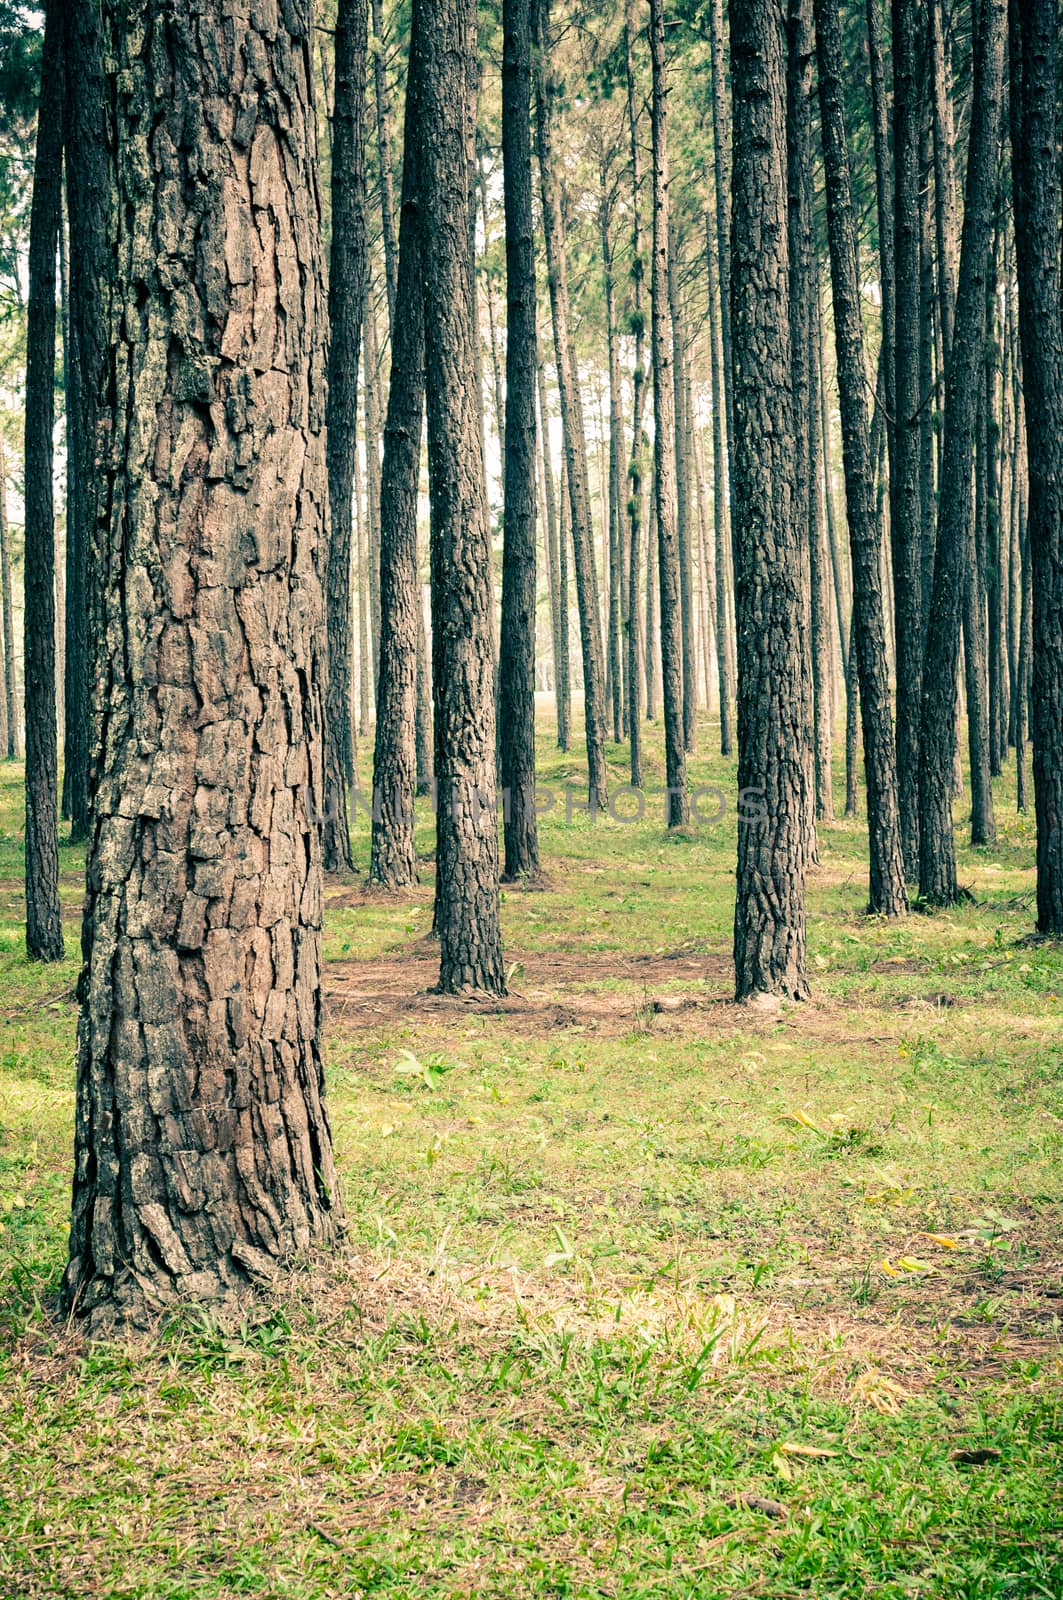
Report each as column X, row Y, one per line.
column 371, row 407
column 467, row 898
column 944, row 176
column 664, row 440
column 346, row 305
column 937, row 848
column 44, row 933
column 775, row 805
column 887, row 893
column 636, row 494
column 202, row 1147
column 720, row 497
column 616, row 662
column 905, row 498
column 1034, row 28
column 721, row 157
column 559, row 634
column 516, row 677
column 572, row 427
column 383, row 147
column 684, row 508
column 392, row 859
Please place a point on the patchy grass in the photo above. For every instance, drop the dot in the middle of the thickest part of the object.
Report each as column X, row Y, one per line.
column 643, row 1296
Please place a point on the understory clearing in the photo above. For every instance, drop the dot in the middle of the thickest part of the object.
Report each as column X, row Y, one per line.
column 643, row 1293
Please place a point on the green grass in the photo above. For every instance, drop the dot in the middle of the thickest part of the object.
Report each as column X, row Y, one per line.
column 643, row 1295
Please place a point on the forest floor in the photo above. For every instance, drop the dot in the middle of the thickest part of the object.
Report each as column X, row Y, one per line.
column 644, row 1294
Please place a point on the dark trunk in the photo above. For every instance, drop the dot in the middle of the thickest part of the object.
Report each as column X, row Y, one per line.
column 937, row 847
column 1035, row 149
column 887, row 893
column 44, row 932
column 346, row 304
column 203, row 1157
column 383, row 146
column 516, row 677
column 463, row 674
column 668, row 555
column 775, row 804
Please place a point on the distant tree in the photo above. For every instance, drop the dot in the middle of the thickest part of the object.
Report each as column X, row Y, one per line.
column 44, row 931
column 202, row 1149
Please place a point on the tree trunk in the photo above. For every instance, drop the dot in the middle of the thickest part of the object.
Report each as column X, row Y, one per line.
column 346, row 304
column 652, row 642
column 10, row 698
column 819, row 585
column 976, row 640
column 516, row 677
column 636, row 495
column 673, row 658
column 905, row 499
column 944, row 177
column 371, row 404
column 1022, row 710
column 721, row 155
column 720, row 497
column 393, row 859
column 616, row 447
column 202, row 1147
column 887, row 893
column 775, row 805
column 680, row 436
column 467, row 900
column 937, row 848
column 559, row 634
column 44, row 933
column 572, row 427
column 365, row 649
column 1036, row 177
column 383, row 146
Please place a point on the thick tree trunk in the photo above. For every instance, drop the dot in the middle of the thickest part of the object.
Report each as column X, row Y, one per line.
column 775, row 804
column 664, row 439
column 905, row 498
column 202, row 1148
column 636, row 494
column 10, row 699
column 44, row 932
column 346, row 305
column 1036, row 177
column 467, row 900
column 393, row 860
column 573, row 430
column 937, row 847
column 516, row 677
column 887, row 893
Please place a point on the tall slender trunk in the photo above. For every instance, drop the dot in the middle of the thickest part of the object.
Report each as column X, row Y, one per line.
column 683, row 496
column 1034, row 28
column 636, row 495
column 617, row 664
column 10, row 697
column 652, row 651
column 203, row 1156
column 944, row 176
column 371, row 404
column 346, row 305
column 819, row 586
column 553, row 558
column 721, row 157
column 775, row 803
column 720, row 497
column 365, row 664
column 887, row 892
column 937, row 849
column 44, row 932
column 383, row 146
column 572, row 427
column 467, row 898
column 516, row 677
column 393, row 859
column 905, row 497
column 673, row 655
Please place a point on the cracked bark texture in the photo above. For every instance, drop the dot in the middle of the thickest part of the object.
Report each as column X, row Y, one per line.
column 462, row 645
column 393, row 858
column 346, row 303
column 775, row 822
column 1034, row 30
column 516, row 671
column 953, row 554
column 887, row 892
column 202, row 1147
column 664, row 447
column 44, row 932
